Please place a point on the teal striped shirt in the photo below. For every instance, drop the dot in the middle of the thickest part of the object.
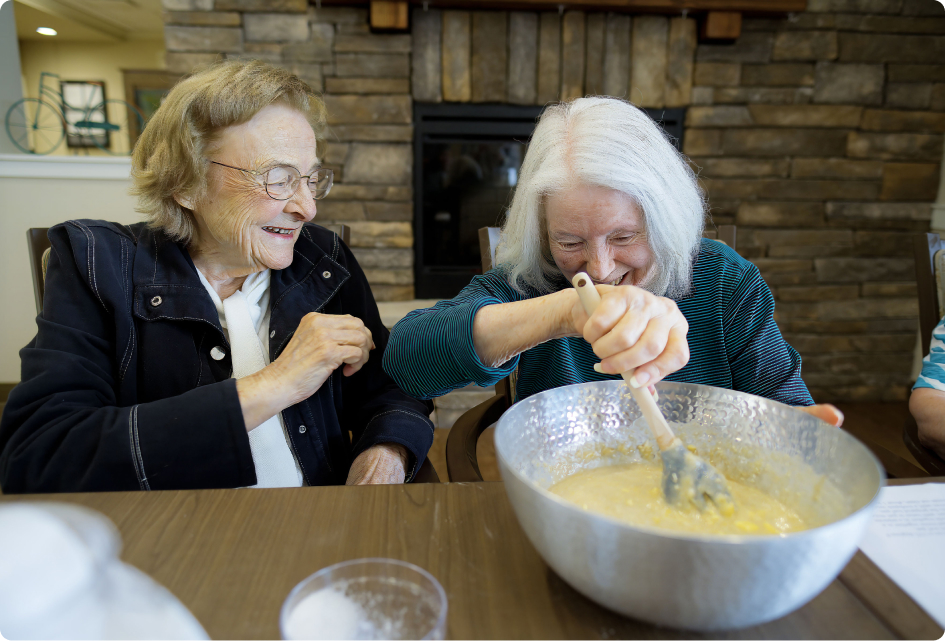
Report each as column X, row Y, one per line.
column 933, row 365
column 733, row 340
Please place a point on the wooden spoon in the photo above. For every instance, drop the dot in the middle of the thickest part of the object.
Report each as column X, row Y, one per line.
column 686, row 477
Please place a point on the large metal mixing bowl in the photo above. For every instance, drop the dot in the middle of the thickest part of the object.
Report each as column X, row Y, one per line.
column 678, row 580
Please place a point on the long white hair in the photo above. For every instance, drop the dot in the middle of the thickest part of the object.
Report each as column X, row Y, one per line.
column 609, row 143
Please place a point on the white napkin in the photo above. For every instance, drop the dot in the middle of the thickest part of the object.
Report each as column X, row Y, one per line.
column 61, row 578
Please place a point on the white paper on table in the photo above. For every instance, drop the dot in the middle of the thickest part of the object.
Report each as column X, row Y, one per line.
column 906, row 539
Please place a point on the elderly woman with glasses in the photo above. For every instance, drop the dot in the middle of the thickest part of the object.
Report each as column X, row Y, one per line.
column 228, row 341
column 603, row 191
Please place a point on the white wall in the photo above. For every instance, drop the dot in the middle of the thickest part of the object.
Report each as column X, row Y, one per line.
column 41, row 191
column 11, row 84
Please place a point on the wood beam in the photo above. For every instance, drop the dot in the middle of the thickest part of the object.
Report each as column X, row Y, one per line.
column 62, row 10
column 638, row 6
column 389, row 15
column 722, row 25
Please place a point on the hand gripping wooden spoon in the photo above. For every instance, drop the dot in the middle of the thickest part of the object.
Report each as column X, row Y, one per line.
column 686, row 477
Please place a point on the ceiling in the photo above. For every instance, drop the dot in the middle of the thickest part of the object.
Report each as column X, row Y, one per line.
column 90, row 20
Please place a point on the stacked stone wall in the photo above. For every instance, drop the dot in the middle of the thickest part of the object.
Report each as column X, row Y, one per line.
column 819, row 134
column 365, row 81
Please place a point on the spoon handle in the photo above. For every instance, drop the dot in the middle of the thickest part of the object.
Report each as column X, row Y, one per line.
column 590, row 299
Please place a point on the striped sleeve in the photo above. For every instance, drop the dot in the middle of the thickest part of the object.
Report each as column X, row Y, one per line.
column 761, row 361
column 933, row 365
column 431, row 351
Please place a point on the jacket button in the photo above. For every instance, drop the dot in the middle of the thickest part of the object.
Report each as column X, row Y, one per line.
column 156, row 301
column 302, row 429
column 272, row 334
column 326, row 274
column 217, row 353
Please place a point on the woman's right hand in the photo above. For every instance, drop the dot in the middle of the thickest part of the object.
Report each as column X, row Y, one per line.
column 321, row 344
column 633, row 329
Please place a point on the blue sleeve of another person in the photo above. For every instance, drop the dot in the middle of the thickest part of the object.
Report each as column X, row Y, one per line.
column 933, row 365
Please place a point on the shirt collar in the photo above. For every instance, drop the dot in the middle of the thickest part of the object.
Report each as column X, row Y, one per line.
column 167, row 284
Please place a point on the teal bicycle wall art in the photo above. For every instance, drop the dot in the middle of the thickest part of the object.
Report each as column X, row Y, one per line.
column 76, row 112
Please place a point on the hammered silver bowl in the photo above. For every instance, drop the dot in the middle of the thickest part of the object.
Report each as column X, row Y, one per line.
column 695, row 582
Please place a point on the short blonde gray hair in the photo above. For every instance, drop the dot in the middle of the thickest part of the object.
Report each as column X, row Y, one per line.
column 609, row 143
column 169, row 157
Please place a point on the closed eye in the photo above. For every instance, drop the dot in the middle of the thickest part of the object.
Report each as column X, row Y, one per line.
column 570, row 247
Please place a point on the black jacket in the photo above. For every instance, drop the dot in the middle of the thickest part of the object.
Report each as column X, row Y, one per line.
column 119, row 391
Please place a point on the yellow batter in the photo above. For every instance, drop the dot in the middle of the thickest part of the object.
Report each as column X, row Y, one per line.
column 632, row 493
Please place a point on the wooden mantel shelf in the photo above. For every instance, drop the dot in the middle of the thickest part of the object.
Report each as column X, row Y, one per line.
column 724, row 15
column 642, row 6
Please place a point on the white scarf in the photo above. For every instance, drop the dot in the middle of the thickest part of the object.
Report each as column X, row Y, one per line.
column 244, row 317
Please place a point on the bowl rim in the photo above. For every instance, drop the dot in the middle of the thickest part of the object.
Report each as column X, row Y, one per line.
column 371, row 560
column 726, row 539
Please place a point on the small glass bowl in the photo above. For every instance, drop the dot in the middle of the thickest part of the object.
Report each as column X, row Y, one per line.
column 366, row 599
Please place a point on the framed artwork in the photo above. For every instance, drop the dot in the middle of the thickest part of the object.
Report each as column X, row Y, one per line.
column 82, row 100
column 146, row 89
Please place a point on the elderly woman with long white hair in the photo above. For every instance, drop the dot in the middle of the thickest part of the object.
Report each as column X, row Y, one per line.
column 603, row 191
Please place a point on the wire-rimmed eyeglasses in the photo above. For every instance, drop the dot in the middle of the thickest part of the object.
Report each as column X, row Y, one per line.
column 282, row 181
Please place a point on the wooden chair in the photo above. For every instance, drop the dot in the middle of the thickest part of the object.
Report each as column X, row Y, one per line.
column 343, row 231
column 724, row 234
column 38, row 242
column 461, row 461
column 931, row 308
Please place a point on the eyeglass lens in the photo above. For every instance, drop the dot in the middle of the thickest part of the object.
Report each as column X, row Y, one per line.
column 283, row 181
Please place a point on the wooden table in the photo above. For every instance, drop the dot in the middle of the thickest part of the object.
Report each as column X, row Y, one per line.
column 232, row 556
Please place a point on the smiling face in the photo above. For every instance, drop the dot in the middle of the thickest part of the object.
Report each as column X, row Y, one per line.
column 599, row 231
column 240, row 229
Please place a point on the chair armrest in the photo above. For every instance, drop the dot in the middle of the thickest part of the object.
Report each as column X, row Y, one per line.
column 928, row 459
column 895, row 466
column 461, row 461
column 426, row 473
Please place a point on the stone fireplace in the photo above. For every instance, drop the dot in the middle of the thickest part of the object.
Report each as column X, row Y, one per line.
column 818, row 133
column 477, row 61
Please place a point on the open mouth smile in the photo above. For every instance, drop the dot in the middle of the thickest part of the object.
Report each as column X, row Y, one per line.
column 280, row 231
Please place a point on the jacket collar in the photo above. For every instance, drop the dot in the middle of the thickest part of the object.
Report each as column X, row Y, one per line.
column 166, row 285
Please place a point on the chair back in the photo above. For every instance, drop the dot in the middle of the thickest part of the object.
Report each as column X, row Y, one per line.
column 488, row 241
column 929, row 254
column 343, row 231
column 37, row 240
column 723, row 234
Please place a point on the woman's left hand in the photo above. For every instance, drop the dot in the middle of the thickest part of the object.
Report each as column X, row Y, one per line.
column 825, row 412
column 384, row 464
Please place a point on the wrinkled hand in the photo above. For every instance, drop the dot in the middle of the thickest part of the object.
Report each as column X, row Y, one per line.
column 825, row 412
column 634, row 330
column 384, row 464
column 321, row 344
